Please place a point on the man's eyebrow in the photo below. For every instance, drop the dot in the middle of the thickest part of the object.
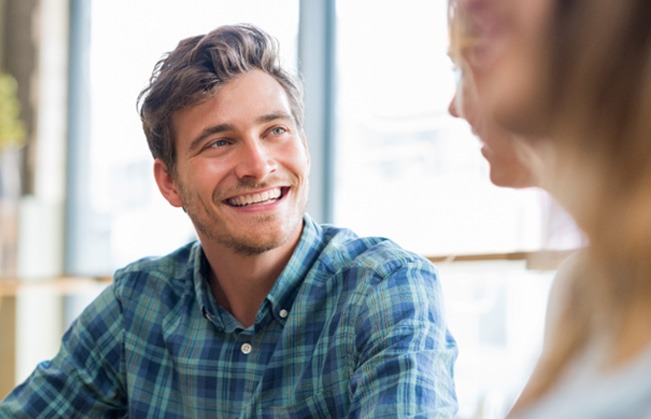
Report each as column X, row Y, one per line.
column 207, row 132
column 274, row 116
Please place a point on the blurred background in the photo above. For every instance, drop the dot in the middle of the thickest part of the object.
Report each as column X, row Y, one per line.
column 78, row 199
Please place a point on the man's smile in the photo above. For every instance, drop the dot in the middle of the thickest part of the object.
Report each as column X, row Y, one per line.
column 263, row 197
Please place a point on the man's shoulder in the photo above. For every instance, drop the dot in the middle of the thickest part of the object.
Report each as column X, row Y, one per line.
column 378, row 273
column 159, row 271
column 346, row 250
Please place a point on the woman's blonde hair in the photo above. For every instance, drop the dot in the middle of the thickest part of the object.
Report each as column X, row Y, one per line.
column 600, row 88
column 598, row 92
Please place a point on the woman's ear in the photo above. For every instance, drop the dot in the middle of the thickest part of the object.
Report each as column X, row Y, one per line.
column 166, row 184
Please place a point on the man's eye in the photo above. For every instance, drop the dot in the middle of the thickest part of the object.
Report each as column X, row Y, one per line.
column 218, row 144
column 278, row 131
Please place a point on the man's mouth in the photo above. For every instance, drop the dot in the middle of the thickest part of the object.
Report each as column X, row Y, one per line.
column 264, row 197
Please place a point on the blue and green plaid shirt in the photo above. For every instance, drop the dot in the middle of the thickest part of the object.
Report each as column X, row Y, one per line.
column 353, row 327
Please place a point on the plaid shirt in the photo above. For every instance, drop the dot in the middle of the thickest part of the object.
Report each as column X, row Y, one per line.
column 353, row 327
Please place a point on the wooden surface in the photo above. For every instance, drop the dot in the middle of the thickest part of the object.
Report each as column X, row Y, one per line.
column 543, row 260
column 69, row 285
column 59, row 286
column 7, row 345
column 10, row 290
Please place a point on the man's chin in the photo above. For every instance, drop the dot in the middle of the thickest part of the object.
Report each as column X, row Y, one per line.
column 257, row 243
column 254, row 245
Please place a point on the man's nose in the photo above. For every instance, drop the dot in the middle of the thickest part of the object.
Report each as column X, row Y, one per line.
column 256, row 160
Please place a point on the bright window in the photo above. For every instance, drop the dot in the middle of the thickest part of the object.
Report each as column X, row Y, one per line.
column 404, row 168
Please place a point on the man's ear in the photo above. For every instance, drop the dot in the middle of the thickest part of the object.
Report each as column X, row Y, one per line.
column 166, row 184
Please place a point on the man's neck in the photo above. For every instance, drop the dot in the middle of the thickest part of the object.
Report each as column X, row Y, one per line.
column 240, row 283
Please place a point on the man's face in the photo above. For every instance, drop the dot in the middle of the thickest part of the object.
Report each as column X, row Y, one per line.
column 242, row 167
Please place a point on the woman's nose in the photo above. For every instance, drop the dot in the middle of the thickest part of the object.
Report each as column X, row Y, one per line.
column 452, row 107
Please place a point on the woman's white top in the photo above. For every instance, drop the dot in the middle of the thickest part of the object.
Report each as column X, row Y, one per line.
column 586, row 392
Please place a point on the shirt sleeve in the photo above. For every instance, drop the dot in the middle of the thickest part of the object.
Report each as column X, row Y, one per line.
column 86, row 378
column 405, row 354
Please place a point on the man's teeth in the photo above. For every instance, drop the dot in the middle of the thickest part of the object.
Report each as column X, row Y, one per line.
column 257, row 198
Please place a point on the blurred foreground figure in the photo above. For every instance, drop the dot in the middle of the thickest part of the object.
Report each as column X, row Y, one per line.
column 573, row 80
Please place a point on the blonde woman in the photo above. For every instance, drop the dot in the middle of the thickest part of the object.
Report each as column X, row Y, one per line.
column 574, row 79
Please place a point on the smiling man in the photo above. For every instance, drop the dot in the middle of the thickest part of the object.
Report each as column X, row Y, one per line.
column 267, row 314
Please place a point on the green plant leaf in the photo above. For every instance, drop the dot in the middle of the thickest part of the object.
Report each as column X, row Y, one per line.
column 12, row 129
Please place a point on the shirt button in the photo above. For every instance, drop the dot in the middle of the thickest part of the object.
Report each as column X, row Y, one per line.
column 283, row 313
column 246, row 348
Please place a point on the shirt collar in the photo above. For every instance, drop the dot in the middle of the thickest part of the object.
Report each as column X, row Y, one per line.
column 309, row 247
column 282, row 294
column 204, row 297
